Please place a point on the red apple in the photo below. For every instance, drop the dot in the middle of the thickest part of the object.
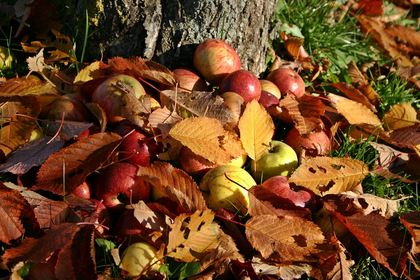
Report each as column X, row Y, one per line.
column 270, row 87
column 194, row 164
column 236, row 103
column 84, row 190
column 244, row 83
column 189, row 79
column 137, row 147
column 315, row 144
column 128, row 228
column 279, row 185
column 109, row 95
column 288, row 82
column 118, row 185
column 267, row 99
column 215, row 59
column 73, row 107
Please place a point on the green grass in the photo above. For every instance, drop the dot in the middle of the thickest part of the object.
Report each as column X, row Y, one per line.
column 329, row 33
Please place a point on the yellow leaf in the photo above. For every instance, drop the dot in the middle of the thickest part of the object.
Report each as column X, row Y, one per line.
column 361, row 116
column 256, row 128
column 193, row 235
column 207, row 138
column 400, row 115
column 325, row 175
column 88, row 73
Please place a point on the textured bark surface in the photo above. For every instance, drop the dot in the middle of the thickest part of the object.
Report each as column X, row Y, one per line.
column 168, row 31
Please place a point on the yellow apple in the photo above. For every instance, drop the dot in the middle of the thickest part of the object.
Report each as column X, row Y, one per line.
column 239, row 161
column 139, row 256
column 280, row 159
column 7, row 58
column 221, row 192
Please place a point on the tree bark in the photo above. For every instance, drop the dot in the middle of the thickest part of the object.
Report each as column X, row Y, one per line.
column 169, row 31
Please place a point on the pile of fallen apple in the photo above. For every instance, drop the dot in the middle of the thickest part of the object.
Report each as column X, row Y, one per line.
column 217, row 68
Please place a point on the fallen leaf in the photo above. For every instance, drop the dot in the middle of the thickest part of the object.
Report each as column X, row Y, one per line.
column 176, row 184
column 207, row 138
column 288, row 239
column 76, row 162
column 326, row 175
column 192, row 236
column 400, row 115
column 256, row 129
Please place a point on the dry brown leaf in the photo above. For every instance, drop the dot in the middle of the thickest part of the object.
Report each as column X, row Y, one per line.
column 171, row 149
column 400, row 115
column 149, row 218
column 207, row 138
column 256, row 128
column 26, row 87
column 359, row 115
column 176, row 184
column 282, row 271
column 377, row 29
column 354, row 94
column 263, row 200
column 288, row 239
column 368, row 203
column 412, row 222
column 383, row 240
column 192, row 236
column 326, row 175
column 226, row 250
column 406, row 137
column 163, row 119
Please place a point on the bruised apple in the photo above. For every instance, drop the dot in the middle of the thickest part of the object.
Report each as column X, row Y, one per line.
column 288, row 81
column 118, row 185
column 215, row 59
column 280, row 159
column 244, row 83
column 226, row 187
column 73, row 107
column 280, row 186
column 139, row 256
column 108, row 95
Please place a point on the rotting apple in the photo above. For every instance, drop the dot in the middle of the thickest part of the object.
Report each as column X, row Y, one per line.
column 226, row 187
column 288, row 81
column 139, row 256
column 195, row 165
column 108, row 95
column 244, row 83
column 280, row 186
column 136, row 147
column 118, row 184
column 280, row 159
column 215, row 59
column 236, row 103
column 315, row 144
column 270, row 87
column 73, row 107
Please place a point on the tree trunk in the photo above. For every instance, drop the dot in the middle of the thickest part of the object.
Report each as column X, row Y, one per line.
column 168, row 31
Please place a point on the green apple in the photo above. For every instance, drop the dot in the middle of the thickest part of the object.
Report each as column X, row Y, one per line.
column 221, row 192
column 7, row 58
column 139, row 256
column 280, row 159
